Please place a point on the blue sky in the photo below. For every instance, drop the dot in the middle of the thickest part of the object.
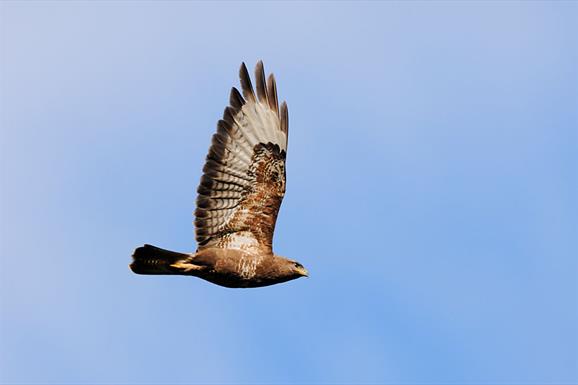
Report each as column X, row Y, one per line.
column 432, row 192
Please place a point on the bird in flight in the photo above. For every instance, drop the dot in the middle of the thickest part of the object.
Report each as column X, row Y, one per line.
column 239, row 196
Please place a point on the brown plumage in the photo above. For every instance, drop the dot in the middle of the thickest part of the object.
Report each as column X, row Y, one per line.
column 239, row 196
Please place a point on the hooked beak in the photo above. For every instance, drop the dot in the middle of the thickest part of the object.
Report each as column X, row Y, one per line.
column 303, row 272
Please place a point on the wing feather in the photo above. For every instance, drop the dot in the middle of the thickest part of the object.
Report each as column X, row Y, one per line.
column 272, row 94
column 235, row 99
column 244, row 175
column 261, row 85
column 246, row 85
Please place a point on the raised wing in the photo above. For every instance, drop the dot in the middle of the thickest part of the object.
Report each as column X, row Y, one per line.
column 244, row 175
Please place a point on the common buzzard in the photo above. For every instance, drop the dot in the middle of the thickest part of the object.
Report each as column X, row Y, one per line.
column 238, row 198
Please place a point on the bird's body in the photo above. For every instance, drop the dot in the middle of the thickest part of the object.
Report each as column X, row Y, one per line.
column 233, row 268
column 239, row 197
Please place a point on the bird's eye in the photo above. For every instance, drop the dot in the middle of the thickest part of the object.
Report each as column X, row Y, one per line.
column 297, row 264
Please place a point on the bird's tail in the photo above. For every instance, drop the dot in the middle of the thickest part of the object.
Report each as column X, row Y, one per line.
column 154, row 260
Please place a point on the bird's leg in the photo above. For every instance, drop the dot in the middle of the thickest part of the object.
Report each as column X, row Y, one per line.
column 186, row 267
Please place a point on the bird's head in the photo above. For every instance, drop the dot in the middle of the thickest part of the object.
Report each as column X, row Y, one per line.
column 299, row 270
column 280, row 269
column 289, row 269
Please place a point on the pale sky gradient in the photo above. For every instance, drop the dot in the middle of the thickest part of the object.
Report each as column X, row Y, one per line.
column 432, row 192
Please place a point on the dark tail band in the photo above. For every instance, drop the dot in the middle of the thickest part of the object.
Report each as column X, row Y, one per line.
column 154, row 260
